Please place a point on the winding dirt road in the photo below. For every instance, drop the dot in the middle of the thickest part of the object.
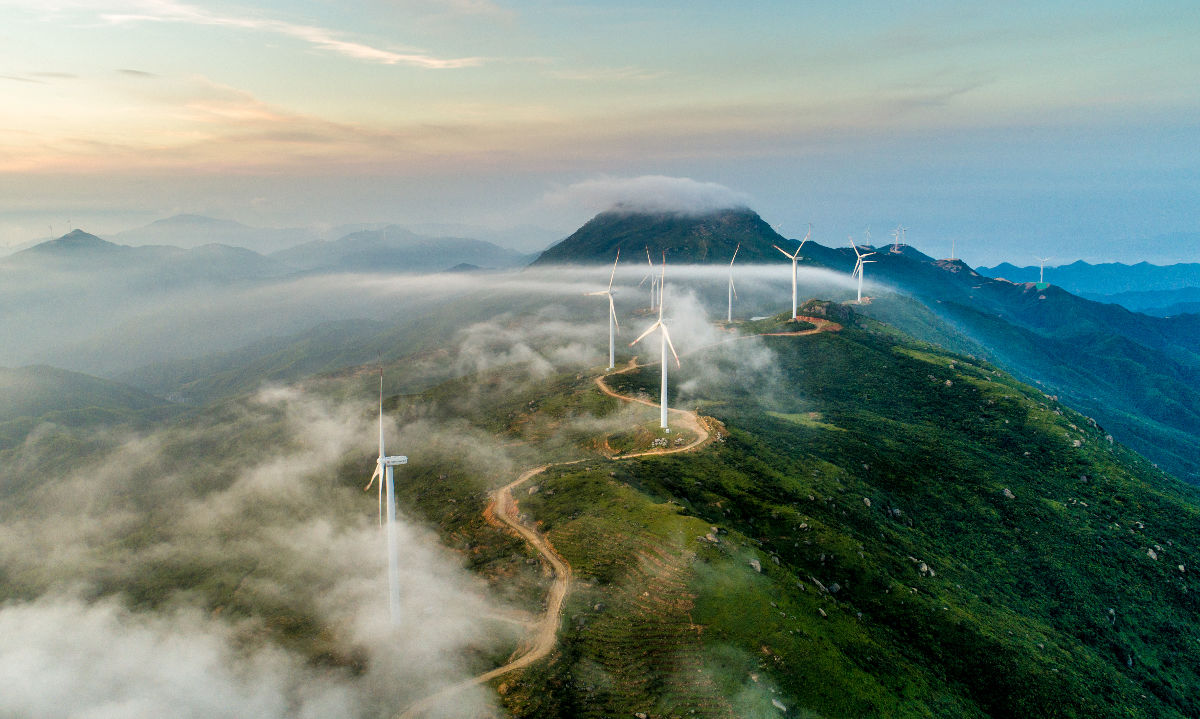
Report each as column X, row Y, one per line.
column 503, row 508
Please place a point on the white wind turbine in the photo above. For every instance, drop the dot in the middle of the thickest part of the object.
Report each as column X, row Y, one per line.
column 858, row 266
column 732, row 292
column 612, row 312
column 795, row 257
column 383, row 472
column 655, row 290
column 666, row 342
column 1042, row 269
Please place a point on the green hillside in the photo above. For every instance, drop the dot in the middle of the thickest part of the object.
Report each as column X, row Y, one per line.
column 30, row 396
column 884, row 529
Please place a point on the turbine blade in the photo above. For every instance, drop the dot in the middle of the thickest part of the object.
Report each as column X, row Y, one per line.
column 381, row 455
column 732, row 287
column 667, row 335
column 612, row 308
column 735, row 251
column 642, row 336
column 373, row 478
column 595, row 294
column 785, row 253
column 614, row 271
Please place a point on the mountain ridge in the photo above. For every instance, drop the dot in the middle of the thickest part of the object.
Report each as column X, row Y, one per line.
column 687, row 238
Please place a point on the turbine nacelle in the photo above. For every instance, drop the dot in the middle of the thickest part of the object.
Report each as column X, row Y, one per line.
column 666, row 335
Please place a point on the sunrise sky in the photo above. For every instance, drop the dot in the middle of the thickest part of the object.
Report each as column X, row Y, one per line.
column 1018, row 128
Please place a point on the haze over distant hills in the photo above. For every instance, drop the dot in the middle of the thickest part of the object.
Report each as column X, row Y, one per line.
column 1160, row 290
column 194, row 230
column 1104, row 279
column 395, row 249
column 91, row 305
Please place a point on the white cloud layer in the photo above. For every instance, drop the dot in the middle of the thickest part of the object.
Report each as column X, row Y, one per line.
column 651, row 193
column 64, row 658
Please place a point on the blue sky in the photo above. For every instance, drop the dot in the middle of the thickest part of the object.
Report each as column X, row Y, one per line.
column 1065, row 129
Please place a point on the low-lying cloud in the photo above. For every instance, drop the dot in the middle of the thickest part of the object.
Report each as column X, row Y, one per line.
column 62, row 657
column 647, row 193
column 153, row 575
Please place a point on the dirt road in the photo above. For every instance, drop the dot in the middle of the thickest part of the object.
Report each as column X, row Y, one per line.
column 504, row 509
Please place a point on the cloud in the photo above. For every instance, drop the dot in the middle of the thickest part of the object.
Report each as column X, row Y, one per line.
column 273, row 536
column 319, row 37
column 64, row 658
column 653, row 193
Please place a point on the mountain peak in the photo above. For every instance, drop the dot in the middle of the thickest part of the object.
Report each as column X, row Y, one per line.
column 687, row 237
column 74, row 242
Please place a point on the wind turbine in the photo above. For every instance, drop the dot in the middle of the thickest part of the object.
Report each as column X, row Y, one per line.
column 1042, row 269
column 666, row 342
column 655, row 291
column 898, row 238
column 795, row 257
column 858, row 266
column 612, row 312
column 732, row 292
column 383, row 472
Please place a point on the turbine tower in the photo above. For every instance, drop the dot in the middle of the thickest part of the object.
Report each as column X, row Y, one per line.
column 795, row 257
column 732, row 292
column 666, row 342
column 655, row 290
column 383, row 472
column 858, row 266
column 612, row 312
column 1042, row 269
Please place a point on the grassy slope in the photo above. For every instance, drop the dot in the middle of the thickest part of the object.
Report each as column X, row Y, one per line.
column 37, row 395
column 1012, row 620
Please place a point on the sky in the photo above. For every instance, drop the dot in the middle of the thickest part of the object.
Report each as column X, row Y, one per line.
column 1015, row 129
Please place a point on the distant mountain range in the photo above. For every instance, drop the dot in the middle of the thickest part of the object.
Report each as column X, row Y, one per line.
column 190, row 230
column 394, row 249
column 1160, row 303
column 196, row 230
column 97, row 306
column 391, row 249
column 158, row 265
column 1106, row 280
